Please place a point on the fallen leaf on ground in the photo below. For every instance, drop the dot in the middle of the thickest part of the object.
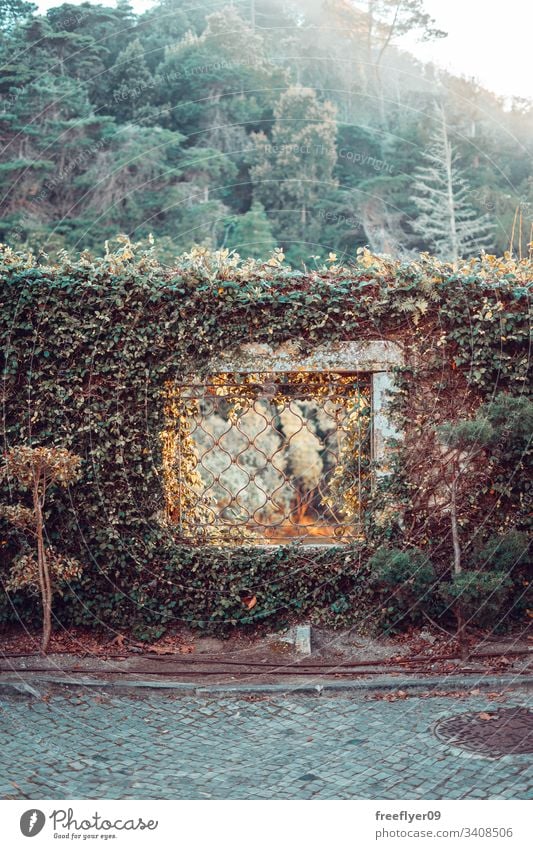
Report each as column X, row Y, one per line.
column 391, row 697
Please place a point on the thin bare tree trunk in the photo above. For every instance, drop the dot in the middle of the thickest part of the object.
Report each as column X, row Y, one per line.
column 44, row 577
column 457, row 568
column 461, row 630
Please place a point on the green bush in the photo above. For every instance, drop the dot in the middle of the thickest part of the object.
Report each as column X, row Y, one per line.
column 484, row 596
column 507, row 555
column 403, row 581
column 504, row 552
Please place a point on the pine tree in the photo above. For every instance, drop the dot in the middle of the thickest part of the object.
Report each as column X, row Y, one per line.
column 85, row 112
column 447, row 222
column 131, row 85
column 467, row 452
column 293, row 171
column 251, row 234
column 210, row 83
column 14, row 11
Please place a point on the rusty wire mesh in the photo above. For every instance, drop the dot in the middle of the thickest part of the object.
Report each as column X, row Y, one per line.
column 270, row 457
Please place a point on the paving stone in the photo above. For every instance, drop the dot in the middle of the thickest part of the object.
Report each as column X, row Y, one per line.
column 238, row 749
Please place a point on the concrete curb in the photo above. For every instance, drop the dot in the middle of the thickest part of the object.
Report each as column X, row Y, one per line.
column 30, row 686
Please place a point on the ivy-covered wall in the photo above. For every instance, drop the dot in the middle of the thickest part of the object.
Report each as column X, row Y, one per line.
column 88, row 344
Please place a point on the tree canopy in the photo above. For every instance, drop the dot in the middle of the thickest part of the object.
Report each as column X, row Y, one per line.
column 223, row 124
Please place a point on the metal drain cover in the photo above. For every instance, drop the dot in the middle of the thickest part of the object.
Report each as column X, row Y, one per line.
column 507, row 731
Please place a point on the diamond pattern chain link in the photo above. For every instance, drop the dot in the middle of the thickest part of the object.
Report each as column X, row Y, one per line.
column 268, row 457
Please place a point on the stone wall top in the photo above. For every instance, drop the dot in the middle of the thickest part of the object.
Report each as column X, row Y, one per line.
column 374, row 356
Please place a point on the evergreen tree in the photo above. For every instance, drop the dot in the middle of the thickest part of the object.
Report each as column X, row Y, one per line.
column 294, row 170
column 51, row 136
column 467, row 452
column 131, row 86
column 216, row 85
column 447, row 221
column 166, row 23
column 251, row 234
column 13, row 11
column 80, row 84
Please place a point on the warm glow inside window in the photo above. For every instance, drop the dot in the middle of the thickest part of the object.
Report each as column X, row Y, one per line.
column 268, row 457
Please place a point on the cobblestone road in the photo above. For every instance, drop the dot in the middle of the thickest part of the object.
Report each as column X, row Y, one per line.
column 85, row 745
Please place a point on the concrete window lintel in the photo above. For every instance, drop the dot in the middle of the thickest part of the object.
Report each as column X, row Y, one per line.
column 374, row 356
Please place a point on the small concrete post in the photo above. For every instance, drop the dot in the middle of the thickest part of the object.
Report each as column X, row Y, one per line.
column 302, row 639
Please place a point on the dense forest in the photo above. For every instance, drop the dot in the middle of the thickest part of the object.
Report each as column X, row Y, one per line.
column 252, row 124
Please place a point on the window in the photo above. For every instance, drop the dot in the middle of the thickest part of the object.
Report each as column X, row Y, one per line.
column 268, row 457
column 277, row 444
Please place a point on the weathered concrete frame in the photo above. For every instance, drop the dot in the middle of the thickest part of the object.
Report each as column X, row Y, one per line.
column 377, row 358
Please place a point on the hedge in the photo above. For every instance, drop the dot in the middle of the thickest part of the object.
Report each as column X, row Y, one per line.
column 89, row 343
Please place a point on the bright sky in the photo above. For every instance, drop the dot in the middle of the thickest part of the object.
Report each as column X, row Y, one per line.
column 490, row 41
